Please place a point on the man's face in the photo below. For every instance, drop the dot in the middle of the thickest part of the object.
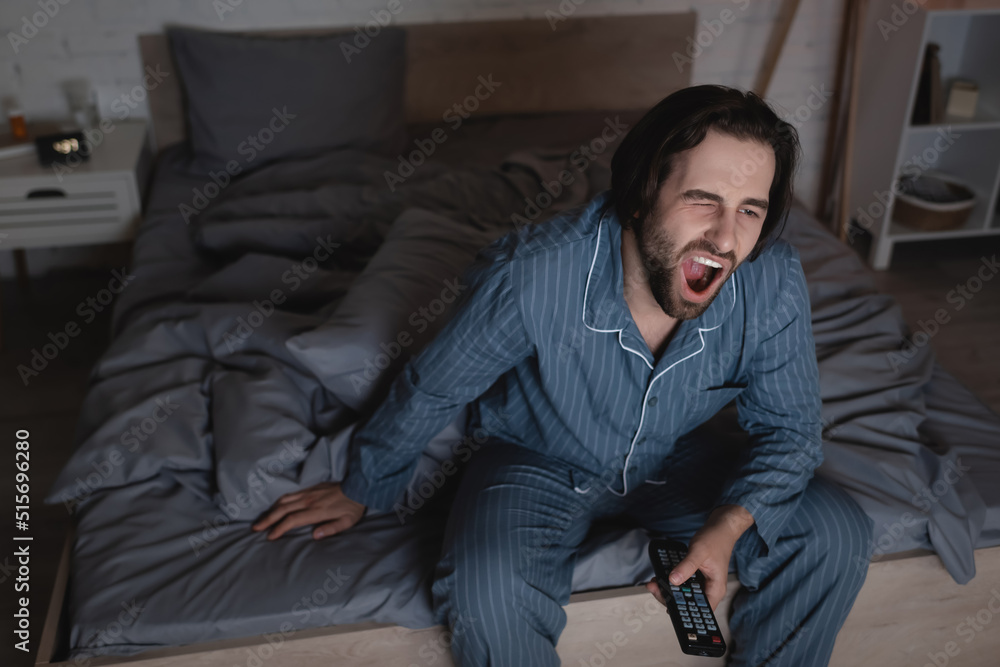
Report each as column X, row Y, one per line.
column 707, row 219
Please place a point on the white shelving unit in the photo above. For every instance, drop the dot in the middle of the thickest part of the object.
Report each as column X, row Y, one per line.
column 887, row 145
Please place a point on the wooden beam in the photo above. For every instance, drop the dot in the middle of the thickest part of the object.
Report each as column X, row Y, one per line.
column 852, row 114
column 783, row 24
column 827, row 202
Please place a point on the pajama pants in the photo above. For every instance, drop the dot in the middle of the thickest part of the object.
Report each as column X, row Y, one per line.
column 518, row 518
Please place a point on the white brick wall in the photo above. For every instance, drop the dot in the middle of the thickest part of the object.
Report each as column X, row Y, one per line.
column 96, row 39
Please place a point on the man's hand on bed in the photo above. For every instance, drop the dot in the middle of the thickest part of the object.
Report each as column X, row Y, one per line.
column 324, row 504
column 710, row 551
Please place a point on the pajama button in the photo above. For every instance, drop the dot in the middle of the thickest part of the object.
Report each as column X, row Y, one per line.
column 652, row 401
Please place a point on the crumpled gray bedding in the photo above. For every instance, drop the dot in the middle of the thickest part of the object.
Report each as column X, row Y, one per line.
column 186, row 437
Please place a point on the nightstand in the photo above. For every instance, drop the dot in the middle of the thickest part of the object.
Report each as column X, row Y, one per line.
column 97, row 201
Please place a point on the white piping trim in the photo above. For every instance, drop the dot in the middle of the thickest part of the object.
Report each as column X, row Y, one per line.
column 642, row 415
column 586, row 289
column 645, row 398
column 586, row 292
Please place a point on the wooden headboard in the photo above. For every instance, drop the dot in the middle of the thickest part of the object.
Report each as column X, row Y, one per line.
column 577, row 64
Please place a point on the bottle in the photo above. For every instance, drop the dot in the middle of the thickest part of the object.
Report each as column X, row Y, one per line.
column 15, row 116
column 82, row 103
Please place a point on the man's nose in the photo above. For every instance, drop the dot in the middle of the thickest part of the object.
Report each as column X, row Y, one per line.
column 723, row 231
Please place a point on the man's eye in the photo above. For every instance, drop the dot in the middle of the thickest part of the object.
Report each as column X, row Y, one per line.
column 752, row 213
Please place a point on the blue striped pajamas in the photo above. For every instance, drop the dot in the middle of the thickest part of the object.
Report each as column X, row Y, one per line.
column 516, row 521
column 544, row 337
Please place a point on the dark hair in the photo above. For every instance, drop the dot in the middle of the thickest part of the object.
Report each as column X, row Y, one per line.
column 680, row 122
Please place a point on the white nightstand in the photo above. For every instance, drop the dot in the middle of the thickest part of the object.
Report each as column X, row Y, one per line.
column 97, row 201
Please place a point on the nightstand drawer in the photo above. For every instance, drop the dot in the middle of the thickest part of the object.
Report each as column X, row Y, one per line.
column 72, row 212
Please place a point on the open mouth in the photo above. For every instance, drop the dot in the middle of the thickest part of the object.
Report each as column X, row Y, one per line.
column 700, row 276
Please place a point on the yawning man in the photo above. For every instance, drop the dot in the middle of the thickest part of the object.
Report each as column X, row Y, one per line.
column 606, row 335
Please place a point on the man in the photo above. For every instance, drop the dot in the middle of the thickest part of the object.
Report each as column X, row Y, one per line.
column 607, row 334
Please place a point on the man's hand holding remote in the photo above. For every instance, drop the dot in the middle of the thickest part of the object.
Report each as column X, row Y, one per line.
column 710, row 551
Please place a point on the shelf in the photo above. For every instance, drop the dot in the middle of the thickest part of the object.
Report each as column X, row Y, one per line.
column 898, row 232
column 972, row 159
column 976, row 223
column 958, row 125
column 886, row 146
column 970, row 50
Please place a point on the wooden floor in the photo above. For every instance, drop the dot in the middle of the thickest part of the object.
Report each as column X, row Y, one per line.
column 48, row 408
column 921, row 277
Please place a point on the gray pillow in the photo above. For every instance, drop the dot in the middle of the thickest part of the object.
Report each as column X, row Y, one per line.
column 252, row 99
column 403, row 298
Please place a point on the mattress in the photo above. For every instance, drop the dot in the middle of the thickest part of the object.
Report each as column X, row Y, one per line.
column 165, row 533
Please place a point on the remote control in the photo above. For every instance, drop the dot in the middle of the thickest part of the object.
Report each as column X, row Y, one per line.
column 692, row 616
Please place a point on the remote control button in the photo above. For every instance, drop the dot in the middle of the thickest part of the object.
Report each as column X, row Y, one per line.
column 712, row 628
column 674, row 588
column 679, row 598
column 716, row 640
column 688, row 626
column 692, row 637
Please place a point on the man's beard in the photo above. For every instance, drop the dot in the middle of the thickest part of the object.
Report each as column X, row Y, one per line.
column 661, row 260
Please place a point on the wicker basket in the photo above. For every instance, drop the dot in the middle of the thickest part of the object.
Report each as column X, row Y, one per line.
column 931, row 216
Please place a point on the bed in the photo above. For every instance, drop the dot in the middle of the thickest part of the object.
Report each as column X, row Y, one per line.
column 263, row 325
